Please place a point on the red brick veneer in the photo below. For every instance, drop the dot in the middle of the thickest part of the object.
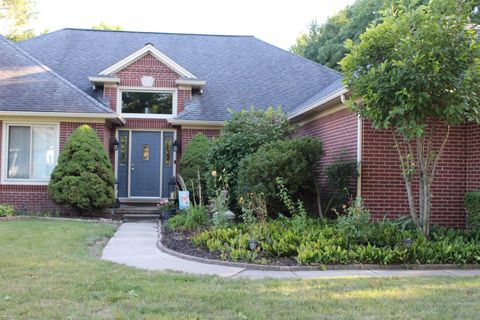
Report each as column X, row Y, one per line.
column 338, row 133
column 188, row 134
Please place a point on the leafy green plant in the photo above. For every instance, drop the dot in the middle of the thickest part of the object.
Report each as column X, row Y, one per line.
column 243, row 135
column 340, row 175
column 6, row 210
column 472, row 205
column 83, row 178
column 254, row 208
column 194, row 219
column 293, row 160
column 193, row 165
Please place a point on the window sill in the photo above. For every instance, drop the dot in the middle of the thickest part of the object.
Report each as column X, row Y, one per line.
column 25, row 183
column 146, row 116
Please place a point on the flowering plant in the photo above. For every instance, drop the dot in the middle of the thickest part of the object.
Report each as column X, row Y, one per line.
column 166, row 204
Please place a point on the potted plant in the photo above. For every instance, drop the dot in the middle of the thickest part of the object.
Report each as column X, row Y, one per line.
column 167, row 208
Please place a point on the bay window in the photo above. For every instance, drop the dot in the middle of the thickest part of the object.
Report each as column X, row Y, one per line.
column 31, row 152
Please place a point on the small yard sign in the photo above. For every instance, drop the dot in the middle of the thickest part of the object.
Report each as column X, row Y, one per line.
column 183, row 200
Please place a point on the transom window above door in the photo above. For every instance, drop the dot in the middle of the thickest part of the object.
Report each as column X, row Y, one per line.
column 160, row 103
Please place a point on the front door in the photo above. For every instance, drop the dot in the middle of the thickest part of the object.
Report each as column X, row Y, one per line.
column 145, row 164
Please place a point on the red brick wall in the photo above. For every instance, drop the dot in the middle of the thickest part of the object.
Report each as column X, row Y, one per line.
column 35, row 197
column 188, row 134
column 338, row 133
column 473, row 157
column 383, row 188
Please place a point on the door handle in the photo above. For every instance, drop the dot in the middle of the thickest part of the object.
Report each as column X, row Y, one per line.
column 132, row 167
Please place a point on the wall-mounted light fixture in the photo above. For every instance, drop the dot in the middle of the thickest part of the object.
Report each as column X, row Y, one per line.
column 176, row 145
column 114, row 144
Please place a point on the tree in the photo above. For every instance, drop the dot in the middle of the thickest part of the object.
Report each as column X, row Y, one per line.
column 16, row 15
column 193, row 165
column 417, row 74
column 325, row 43
column 105, row 26
column 83, row 178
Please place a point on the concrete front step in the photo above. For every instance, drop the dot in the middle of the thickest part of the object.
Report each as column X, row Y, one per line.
column 139, row 217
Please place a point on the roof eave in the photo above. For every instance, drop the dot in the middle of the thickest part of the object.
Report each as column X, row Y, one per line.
column 103, row 80
column 92, row 115
column 194, row 83
column 318, row 103
column 196, row 122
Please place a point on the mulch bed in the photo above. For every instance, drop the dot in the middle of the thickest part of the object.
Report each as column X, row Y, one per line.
column 182, row 243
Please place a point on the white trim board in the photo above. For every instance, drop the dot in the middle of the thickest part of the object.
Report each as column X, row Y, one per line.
column 148, row 48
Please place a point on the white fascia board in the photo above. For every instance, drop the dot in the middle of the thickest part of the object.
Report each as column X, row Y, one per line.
column 140, row 53
column 103, row 80
column 319, row 103
column 196, row 122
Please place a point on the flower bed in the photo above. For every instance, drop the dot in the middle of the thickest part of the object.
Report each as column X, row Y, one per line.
column 310, row 241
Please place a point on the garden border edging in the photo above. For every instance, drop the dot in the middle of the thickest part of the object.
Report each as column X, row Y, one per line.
column 252, row 266
column 100, row 220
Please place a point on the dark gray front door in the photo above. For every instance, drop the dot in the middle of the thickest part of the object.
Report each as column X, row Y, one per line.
column 145, row 164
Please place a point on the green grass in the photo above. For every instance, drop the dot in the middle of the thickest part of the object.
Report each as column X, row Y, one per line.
column 49, row 270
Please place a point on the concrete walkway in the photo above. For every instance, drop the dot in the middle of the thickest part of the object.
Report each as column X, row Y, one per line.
column 135, row 245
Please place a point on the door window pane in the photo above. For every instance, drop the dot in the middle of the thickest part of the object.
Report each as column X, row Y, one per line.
column 147, row 102
column 19, row 152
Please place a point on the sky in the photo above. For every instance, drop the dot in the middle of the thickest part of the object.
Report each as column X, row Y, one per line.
column 277, row 22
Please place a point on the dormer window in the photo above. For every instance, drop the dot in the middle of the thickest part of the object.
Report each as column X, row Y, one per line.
column 157, row 103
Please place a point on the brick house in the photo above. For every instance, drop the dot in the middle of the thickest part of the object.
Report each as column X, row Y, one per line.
column 148, row 94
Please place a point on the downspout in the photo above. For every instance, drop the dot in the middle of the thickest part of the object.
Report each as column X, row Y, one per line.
column 359, row 155
column 343, row 98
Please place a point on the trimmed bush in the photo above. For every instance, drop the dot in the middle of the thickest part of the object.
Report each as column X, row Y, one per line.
column 83, row 178
column 292, row 160
column 247, row 131
column 340, row 175
column 6, row 210
column 194, row 162
column 472, row 205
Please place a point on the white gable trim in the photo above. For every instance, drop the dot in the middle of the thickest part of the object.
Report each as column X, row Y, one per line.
column 139, row 54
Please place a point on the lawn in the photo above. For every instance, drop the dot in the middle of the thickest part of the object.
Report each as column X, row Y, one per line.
column 51, row 270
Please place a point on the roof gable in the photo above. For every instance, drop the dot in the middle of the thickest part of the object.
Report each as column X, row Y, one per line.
column 148, row 48
column 27, row 85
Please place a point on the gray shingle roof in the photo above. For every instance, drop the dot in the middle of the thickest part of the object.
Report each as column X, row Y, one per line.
column 28, row 85
column 240, row 70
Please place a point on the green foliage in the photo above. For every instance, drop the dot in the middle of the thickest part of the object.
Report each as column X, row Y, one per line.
column 247, row 131
column 472, row 205
column 317, row 242
column 292, row 160
column 194, row 219
column 339, row 180
column 416, row 65
column 193, row 164
column 294, row 209
column 105, row 26
column 6, row 210
column 16, row 15
column 83, row 178
column 325, row 43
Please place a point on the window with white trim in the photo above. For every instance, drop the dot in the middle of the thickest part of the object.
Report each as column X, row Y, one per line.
column 142, row 102
column 31, row 151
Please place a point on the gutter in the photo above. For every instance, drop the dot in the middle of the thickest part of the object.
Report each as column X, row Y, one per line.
column 319, row 103
column 113, row 116
column 196, row 122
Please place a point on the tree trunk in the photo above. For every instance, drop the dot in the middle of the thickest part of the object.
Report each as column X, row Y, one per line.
column 319, row 201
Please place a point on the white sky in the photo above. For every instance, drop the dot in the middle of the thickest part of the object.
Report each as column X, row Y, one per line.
column 278, row 22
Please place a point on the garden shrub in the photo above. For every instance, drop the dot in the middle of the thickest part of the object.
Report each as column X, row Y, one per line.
column 338, row 183
column 194, row 219
column 6, row 210
column 247, row 131
column 292, row 160
column 83, row 178
column 193, row 164
column 472, row 205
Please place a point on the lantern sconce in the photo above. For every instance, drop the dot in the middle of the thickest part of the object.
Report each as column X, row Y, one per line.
column 114, row 144
column 176, row 145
